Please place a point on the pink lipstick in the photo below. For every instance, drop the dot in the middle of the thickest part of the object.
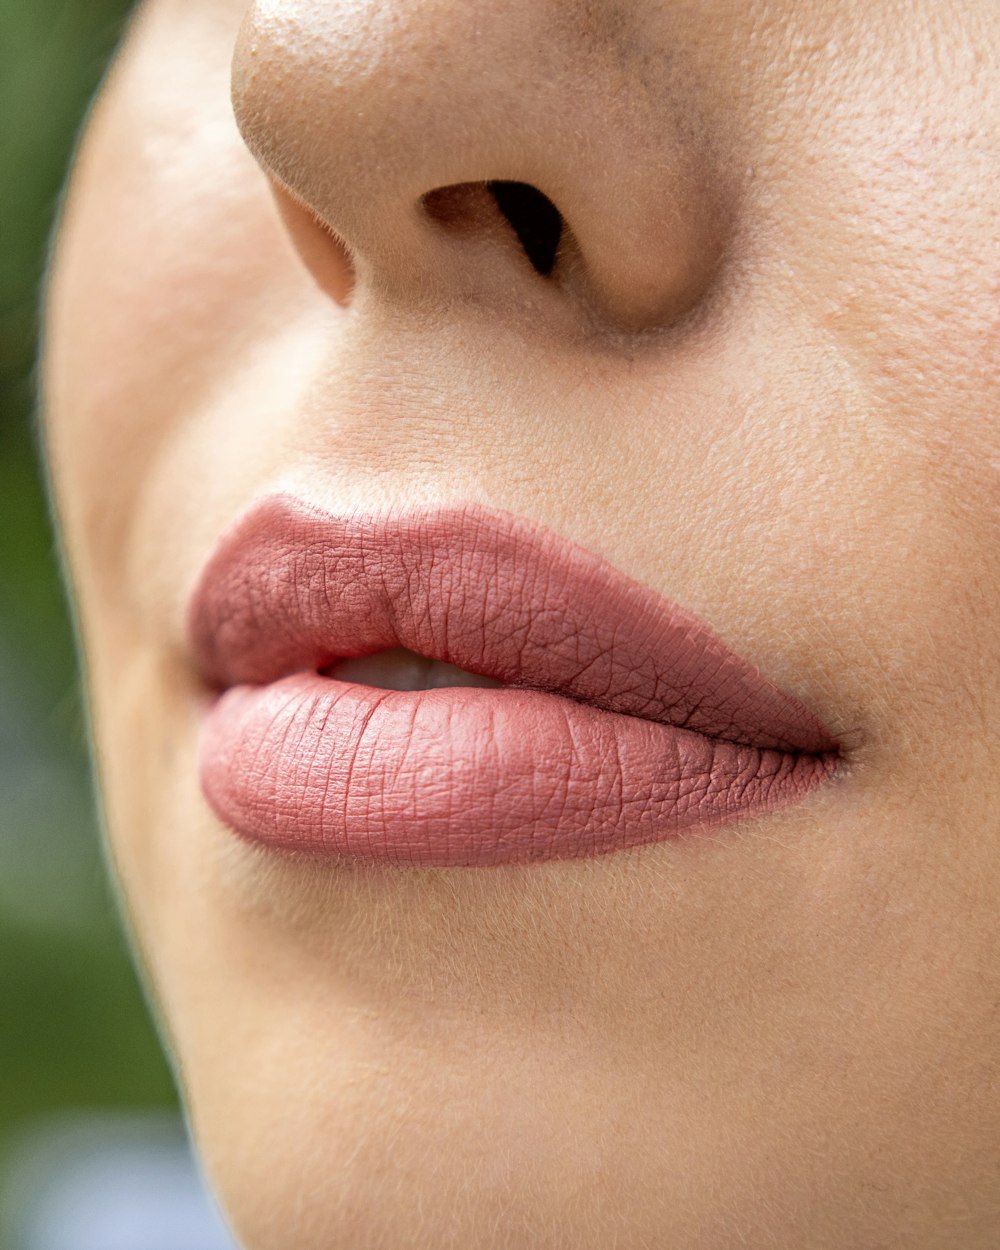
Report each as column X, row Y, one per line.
column 548, row 706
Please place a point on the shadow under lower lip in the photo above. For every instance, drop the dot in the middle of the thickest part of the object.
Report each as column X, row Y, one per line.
column 467, row 777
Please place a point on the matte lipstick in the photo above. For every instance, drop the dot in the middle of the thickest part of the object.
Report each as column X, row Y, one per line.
column 620, row 719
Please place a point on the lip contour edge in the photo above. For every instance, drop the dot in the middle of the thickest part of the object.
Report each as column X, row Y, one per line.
column 622, row 720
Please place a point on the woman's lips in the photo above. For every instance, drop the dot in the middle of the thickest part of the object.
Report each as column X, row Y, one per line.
column 621, row 718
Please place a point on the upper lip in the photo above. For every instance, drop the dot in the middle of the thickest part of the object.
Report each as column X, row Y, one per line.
column 292, row 587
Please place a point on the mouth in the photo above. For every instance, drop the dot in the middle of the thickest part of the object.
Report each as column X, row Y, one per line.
column 457, row 686
column 398, row 668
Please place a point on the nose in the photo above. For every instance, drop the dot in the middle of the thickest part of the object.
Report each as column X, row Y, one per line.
column 437, row 145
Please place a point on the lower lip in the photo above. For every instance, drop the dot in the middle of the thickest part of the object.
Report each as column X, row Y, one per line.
column 467, row 776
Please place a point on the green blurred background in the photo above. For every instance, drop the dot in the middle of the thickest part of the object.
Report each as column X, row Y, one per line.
column 74, row 1028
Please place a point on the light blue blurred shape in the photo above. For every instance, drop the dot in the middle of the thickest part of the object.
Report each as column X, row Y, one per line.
column 107, row 1181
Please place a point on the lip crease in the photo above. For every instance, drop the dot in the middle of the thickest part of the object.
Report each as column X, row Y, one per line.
column 621, row 720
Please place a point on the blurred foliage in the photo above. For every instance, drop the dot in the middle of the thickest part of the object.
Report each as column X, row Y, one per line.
column 74, row 1028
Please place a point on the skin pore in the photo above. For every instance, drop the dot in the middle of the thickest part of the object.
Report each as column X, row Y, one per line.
column 761, row 378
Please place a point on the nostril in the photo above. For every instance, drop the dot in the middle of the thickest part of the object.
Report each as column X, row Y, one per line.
column 324, row 255
column 533, row 217
column 472, row 206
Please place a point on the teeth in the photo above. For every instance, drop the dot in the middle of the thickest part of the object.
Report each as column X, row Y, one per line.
column 400, row 669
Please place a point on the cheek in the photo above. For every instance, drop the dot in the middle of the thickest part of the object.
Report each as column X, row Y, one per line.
column 899, row 248
column 171, row 263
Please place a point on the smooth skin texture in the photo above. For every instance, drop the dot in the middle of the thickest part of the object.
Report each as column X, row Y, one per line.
column 762, row 378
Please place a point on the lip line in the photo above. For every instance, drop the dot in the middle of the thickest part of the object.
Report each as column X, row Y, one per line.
column 219, row 690
column 275, row 512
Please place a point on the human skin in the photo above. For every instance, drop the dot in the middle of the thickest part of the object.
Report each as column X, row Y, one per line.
column 763, row 381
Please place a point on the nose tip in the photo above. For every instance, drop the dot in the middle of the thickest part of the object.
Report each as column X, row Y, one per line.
column 407, row 133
